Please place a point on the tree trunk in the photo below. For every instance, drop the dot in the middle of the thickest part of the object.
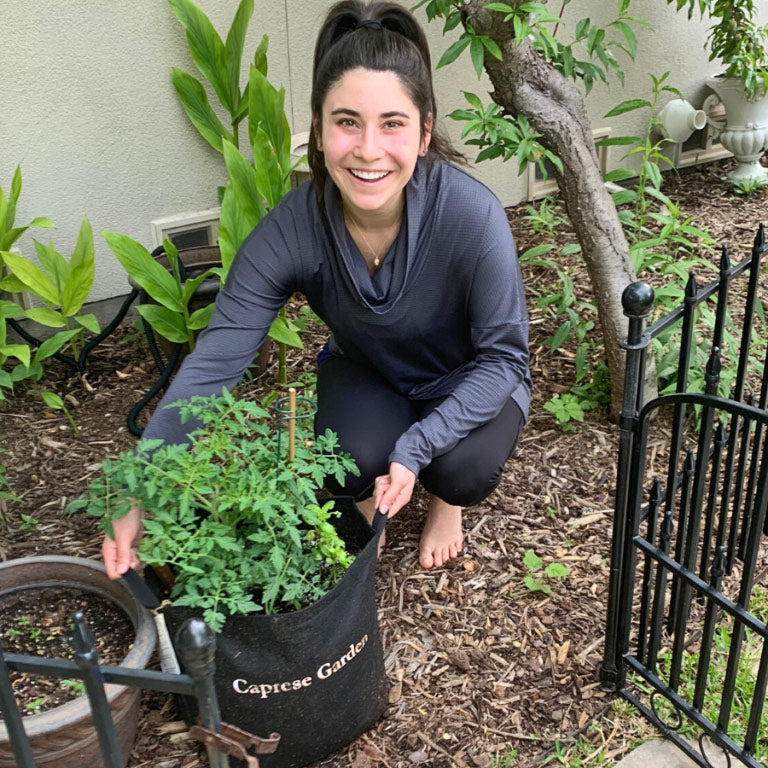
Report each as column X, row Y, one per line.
column 524, row 84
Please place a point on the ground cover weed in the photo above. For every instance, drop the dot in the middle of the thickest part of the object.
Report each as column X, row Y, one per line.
column 537, row 571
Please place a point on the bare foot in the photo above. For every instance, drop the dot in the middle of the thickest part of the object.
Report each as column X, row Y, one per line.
column 368, row 509
column 442, row 537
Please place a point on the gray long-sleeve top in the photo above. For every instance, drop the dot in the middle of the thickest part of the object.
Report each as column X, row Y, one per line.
column 444, row 316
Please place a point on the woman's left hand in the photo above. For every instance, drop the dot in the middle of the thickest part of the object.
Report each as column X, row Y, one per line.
column 393, row 491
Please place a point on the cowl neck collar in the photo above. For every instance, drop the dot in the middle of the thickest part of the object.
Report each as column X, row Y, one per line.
column 381, row 291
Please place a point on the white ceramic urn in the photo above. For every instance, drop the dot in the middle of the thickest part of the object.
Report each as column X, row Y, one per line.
column 744, row 132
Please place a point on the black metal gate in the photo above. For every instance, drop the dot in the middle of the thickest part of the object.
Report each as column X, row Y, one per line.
column 686, row 636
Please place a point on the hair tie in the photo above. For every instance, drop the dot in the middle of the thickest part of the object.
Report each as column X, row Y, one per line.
column 370, row 23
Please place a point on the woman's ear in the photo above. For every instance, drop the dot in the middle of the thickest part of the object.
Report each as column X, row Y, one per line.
column 427, row 135
column 318, row 133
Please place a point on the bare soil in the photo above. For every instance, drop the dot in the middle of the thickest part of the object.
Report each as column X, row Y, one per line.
column 478, row 663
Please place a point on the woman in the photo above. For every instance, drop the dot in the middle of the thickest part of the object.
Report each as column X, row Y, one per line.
column 411, row 264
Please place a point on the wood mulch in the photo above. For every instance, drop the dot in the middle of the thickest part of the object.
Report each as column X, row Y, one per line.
column 478, row 664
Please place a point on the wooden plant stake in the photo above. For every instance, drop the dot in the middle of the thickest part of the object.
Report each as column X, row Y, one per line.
column 291, row 423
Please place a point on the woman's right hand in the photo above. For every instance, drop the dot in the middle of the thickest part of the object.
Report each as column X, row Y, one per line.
column 120, row 553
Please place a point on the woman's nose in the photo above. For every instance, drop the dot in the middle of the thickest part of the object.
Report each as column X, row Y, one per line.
column 369, row 147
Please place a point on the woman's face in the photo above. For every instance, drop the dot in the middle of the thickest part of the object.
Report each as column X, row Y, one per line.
column 371, row 139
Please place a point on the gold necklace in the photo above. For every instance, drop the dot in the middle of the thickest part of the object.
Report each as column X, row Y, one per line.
column 377, row 258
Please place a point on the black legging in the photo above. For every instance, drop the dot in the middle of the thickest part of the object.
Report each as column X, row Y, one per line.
column 369, row 417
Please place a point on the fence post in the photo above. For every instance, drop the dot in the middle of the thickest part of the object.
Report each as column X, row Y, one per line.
column 196, row 644
column 87, row 659
column 9, row 709
column 637, row 301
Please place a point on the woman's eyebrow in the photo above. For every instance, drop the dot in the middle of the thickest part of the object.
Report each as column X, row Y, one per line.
column 355, row 113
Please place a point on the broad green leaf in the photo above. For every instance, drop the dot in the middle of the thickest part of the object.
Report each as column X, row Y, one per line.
column 233, row 49
column 260, row 56
column 140, row 265
column 628, row 106
column 618, row 141
column 562, row 333
column 52, row 400
column 623, row 197
column 282, row 333
column 48, row 317
column 556, row 570
column 88, row 321
column 191, row 284
column 33, row 277
column 537, row 250
column 454, row 50
column 82, row 269
column 10, row 309
column 532, row 561
column 41, row 221
column 166, row 322
column 501, row 7
column 19, row 351
column 200, row 319
column 206, row 48
column 54, row 344
column 266, row 111
column 477, row 52
column 269, row 179
column 619, row 174
column 54, row 264
column 12, row 284
column 194, row 100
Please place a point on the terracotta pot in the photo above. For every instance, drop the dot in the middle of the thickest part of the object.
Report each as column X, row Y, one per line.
column 64, row 737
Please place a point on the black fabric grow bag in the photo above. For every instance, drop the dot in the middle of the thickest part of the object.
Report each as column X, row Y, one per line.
column 315, row 676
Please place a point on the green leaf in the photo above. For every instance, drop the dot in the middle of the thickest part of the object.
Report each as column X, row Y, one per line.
column 200, row 318
column 623, row 197
column 48, row 317
column 556, row 571
column 33, row 278
column 619, row 174
column 206, row 48
column 52, row 400
column 194, row 100
column 628, row 106
column 233, row 49
column 532, row 561
column 492, row 47
column 260, row 56
column 19, row 351
column 536, row 586
column 476, row 51
column 88, row 321
column 266, row 113
column 12, row 284
column 82, row 269
column 54, row 344
column 501, row 7
column 53, row 264
column 562, row 333
column 283, row 332
column 165, row 321
column 454, row 50
column 618, row 141
column 140, row 265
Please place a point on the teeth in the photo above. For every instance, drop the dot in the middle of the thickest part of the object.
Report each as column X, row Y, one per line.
column 369, row 175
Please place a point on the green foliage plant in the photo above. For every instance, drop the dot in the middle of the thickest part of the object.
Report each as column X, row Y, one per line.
column 749, row 186
column 588, row 57
column 62, row 286
column 219, row 62
column 536, row 571
column 254, row 185
column 9, row 233
column 20, row 352
column 52, row 400
column 170, row 315
column 242, row 532
column 735, row 39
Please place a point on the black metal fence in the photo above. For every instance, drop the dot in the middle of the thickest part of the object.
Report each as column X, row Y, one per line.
column 686, row 636
column 196, row 647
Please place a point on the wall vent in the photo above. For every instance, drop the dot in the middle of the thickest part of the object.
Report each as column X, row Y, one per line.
column 702, row 146
column 188, row 230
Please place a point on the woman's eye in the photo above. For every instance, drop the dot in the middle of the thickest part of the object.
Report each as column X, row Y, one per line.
column 346, row 122
column 391, row 124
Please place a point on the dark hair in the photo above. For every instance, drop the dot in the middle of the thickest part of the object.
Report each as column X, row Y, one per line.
column 391, row 41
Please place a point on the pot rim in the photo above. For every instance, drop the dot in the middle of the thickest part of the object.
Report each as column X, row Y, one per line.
column 137, row 658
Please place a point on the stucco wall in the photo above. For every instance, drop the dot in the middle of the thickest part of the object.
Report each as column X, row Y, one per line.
column 88, row 110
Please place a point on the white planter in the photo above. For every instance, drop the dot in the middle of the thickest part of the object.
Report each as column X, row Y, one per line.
column 745, row 129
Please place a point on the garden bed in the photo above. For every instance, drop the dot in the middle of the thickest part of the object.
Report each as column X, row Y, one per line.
column 479, row 664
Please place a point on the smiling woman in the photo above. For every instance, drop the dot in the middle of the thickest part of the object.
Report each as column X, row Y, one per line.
column 411, row 264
